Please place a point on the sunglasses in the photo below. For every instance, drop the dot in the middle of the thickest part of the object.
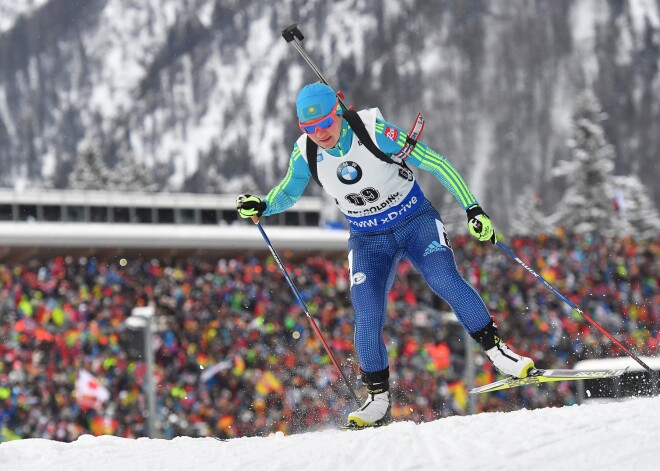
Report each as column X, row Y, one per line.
column 324, row 122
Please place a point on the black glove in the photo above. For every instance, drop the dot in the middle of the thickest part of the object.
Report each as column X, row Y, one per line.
column 249, row 206
column 480, row 225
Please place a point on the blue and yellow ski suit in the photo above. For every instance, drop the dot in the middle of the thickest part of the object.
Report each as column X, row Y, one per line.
column 389, row 220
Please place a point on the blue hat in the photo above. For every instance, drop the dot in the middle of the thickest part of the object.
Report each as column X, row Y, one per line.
column 315, row 100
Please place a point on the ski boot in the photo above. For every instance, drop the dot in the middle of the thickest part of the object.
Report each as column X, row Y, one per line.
column 501, row 356
column 377, row 409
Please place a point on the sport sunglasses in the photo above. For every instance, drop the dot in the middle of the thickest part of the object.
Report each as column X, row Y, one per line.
column 324, row 122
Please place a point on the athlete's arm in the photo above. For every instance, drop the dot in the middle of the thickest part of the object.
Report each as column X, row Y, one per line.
column 291, row 188
column 391, row 140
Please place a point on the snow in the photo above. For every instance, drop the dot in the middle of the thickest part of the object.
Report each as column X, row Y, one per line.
column 10, row 11
column 585, row 15
column 609, row 436
column 483, row 149
column 642, row 11
column 5, row 114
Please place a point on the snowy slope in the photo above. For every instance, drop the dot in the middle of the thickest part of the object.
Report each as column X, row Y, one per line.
column 597, row 436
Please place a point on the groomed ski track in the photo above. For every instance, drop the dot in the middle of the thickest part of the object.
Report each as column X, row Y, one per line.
column 613, row 436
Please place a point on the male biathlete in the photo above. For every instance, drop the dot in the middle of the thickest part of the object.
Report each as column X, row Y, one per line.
column 389, row 219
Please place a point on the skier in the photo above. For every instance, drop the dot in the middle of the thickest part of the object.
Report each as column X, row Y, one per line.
column 389, row 219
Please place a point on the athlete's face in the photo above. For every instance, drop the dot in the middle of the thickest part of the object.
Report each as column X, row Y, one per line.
column 327, row 138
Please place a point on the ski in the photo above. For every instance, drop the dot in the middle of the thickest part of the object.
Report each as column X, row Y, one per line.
column 538, row 376
column 352, row 427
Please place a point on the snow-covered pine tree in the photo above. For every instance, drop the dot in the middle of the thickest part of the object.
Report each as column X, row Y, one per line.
column 635, row 207
column 228, row 173
column 129, row 175
column 587, row 204
column 90, row 171
column 597, row 200
column 529, row 219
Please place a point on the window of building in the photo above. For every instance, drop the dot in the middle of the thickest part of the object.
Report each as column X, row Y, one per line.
column 209, row 216
column 52, row 213
column 312, row 219
column 187, row 216
column 27, row 212
column 121, row 215
column 165, row 216
column 229, row 216
column 6, row 212
column 75, row 213
column 98, row 214
column 144, row 215
column 292, row 218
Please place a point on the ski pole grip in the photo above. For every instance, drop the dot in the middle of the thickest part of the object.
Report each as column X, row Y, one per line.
column 291, row 32
column 255, row 219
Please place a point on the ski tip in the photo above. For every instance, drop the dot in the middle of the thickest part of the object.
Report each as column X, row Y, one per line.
column 620, row 372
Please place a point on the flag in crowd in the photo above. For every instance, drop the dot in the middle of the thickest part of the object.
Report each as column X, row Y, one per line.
column 90, row 393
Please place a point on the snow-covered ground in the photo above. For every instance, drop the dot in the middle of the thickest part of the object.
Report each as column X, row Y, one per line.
column 615, row 436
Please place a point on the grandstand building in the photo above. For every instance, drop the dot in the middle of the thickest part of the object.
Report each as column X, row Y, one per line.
column 41, row 221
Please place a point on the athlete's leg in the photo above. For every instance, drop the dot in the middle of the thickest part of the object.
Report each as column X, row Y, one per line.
column 372, row 260
column 372, row 263
column 429, row 249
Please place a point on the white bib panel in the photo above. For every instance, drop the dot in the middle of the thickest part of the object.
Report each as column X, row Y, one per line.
column 371, row 193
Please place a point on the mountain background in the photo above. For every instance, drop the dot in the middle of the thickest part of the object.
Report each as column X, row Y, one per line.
column 199, row 95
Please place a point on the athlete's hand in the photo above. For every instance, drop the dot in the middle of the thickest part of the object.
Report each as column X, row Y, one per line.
column 480, row 225
column 249, row 206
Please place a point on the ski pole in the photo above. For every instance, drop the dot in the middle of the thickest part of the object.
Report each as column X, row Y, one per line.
column 573, row 306
column 255, row 219
column 293, row 36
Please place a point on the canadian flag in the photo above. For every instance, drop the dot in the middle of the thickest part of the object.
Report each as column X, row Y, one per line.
column 90, row 393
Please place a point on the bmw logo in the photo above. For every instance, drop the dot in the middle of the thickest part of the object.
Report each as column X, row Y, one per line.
column 349, row 173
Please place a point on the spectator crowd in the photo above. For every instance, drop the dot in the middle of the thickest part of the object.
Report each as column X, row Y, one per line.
column 236, row 356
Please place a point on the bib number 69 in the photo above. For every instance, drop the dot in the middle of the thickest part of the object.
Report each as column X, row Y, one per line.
column 367, row 195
